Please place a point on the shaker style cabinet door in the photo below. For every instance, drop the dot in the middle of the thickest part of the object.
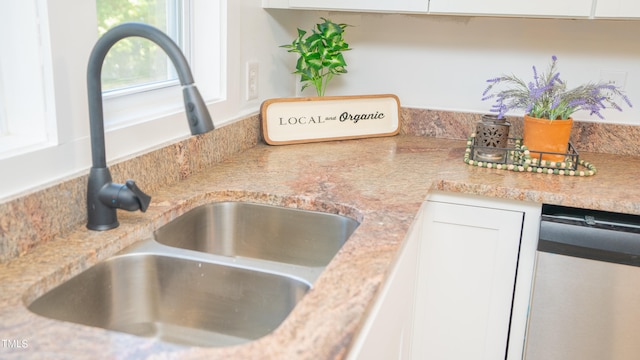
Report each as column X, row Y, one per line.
column 364, row 5
column 467, row 272
column 617, row 9
column 545, row 8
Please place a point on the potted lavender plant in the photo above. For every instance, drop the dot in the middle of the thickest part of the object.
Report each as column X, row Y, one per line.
column 548, row 106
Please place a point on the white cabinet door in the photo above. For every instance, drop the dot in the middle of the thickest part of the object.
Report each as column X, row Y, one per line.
column 617, row 9
column 355, row 5
column 386, row 333
column 550, row 8
column 467, row 271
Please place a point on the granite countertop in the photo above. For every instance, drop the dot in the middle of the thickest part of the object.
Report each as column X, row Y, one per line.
column 380, row 182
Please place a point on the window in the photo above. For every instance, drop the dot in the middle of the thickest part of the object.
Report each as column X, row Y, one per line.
column 139, row 80
column 136, row 74
column 26, row 116
column 43, row 101
column 134, row 62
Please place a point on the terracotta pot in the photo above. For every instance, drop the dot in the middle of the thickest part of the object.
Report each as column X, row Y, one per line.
column 547, row 136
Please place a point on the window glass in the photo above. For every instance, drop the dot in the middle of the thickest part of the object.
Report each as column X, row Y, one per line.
column 135, row 61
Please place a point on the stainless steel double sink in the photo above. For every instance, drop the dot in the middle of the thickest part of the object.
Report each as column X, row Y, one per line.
column 222, row 274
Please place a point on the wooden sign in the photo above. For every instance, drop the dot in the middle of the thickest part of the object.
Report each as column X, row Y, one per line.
column 314, row 119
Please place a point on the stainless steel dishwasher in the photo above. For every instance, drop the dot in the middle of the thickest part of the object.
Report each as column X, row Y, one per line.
column 585, row 302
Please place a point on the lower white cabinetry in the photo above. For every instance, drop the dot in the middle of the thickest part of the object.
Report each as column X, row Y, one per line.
column 469, row 304
column 386, row 334
column 460, row 287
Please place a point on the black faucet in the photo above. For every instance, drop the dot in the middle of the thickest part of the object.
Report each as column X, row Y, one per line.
column 104, row 196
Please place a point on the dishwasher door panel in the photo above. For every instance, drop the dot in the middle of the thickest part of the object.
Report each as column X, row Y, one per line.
column 583, row 309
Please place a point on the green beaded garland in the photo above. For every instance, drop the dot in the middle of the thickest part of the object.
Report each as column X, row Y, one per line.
column 529, row 164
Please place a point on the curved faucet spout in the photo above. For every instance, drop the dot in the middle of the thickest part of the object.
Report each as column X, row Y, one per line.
column 197, row 113
column 103, row 196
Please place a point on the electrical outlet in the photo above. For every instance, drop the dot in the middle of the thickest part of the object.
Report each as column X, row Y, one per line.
column 252, row 80
column 617, row 78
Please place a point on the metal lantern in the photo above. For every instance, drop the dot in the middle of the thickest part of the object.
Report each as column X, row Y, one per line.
column 491, row 132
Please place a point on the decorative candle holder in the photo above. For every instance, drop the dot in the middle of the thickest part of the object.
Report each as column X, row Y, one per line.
column 492, row 136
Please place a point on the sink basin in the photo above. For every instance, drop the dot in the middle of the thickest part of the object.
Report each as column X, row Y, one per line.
column 265, row 232
column 175, row 299
column 222, row 274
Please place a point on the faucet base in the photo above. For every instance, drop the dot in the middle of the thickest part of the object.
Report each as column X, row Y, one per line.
column 99, row 216
column 101, row 227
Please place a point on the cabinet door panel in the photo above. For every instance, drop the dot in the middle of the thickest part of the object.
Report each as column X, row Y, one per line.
column 468, row 262
column 372, row 5
column 617, row 8
column 551, row 8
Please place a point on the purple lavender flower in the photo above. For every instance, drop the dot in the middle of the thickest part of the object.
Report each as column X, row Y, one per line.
column 547, row 95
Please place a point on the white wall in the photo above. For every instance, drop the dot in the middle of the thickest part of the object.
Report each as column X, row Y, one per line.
column 442, row 62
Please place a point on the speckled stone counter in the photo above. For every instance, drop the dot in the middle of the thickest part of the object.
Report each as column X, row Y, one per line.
column 380, row 182
column 613, row 188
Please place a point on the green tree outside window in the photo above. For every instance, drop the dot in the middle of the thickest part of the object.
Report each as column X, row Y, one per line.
column 135, row 61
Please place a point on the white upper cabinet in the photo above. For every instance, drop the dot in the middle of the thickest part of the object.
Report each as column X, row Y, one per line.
column 544, row 8
column 629, row 9
column 400, row 6
column 617, row 9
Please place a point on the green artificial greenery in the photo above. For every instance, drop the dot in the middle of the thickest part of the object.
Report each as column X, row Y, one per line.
column 320, row 54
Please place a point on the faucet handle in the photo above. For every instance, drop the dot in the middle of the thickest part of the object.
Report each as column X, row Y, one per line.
column 143, row 198
column 126, row 197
